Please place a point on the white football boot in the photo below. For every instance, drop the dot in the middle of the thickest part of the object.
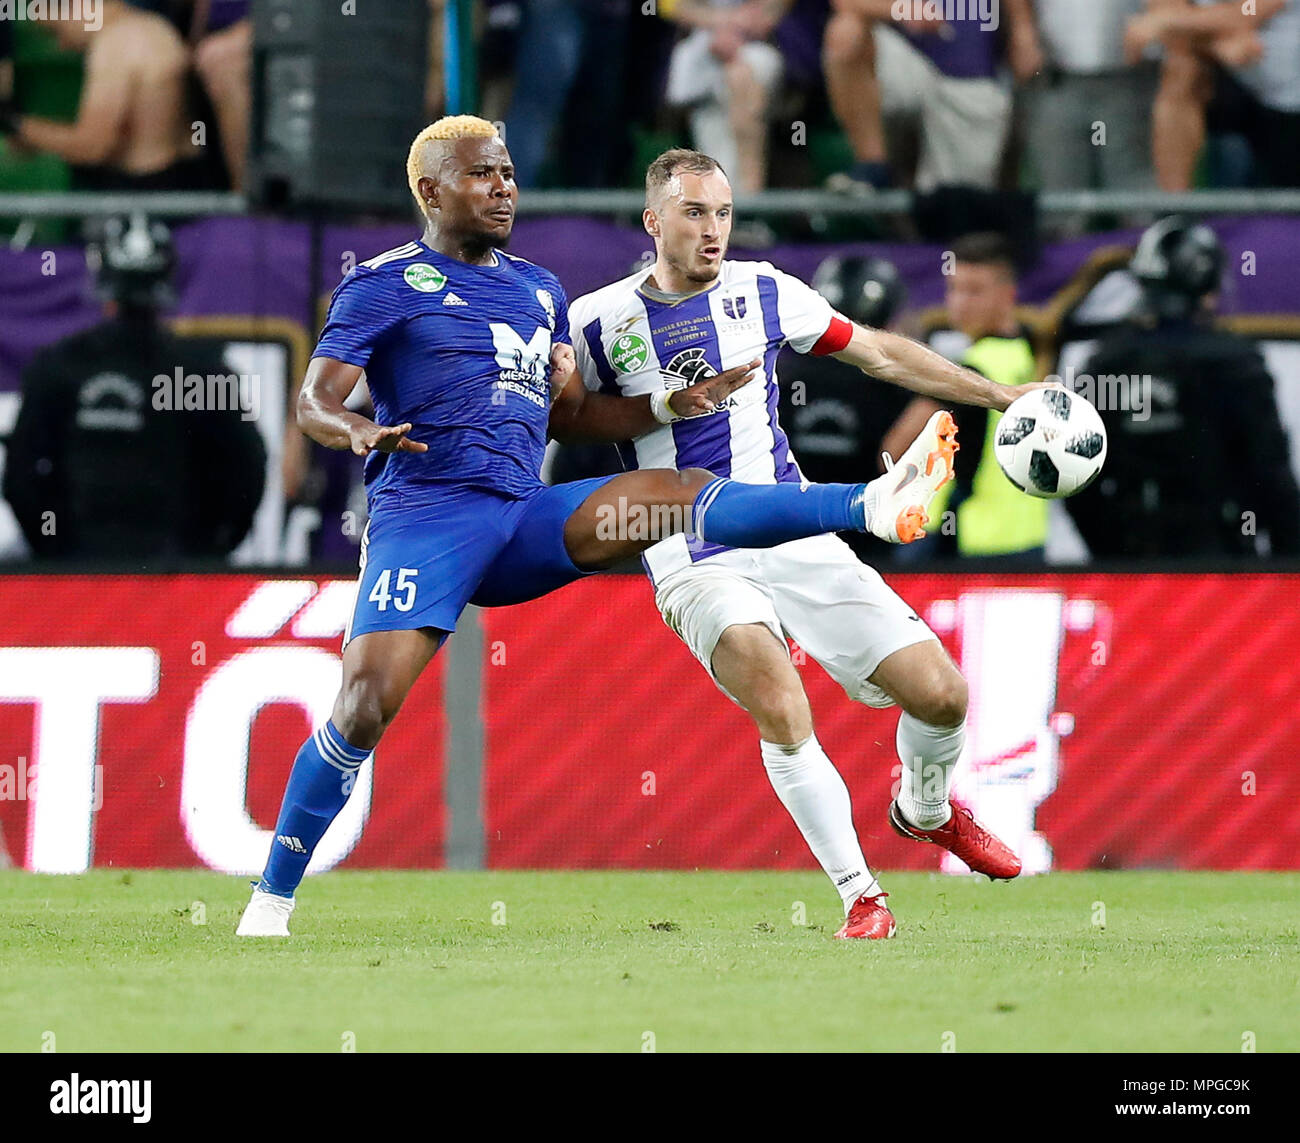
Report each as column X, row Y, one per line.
column 897, row 502
column 265, row 915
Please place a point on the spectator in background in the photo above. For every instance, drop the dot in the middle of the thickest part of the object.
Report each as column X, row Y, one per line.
column 993, row 518
column 222, row 35
column 725, row 74
column 938, row 79
column 1085, row 83
column 569, row 50
column 835, row 417
column 97, row 466
column 1251, row 53
column 1198, row 462
column 132, row 131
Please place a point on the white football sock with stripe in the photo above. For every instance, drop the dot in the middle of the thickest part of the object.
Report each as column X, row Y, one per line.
column 815, row 795
column 929, row 755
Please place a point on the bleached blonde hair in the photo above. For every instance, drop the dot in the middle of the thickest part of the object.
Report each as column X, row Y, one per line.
column 449, row 127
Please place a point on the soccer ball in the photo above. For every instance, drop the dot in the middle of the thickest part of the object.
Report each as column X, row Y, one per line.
column 1050, row 443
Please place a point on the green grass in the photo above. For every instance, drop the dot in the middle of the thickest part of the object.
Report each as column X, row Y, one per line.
column 113, row 961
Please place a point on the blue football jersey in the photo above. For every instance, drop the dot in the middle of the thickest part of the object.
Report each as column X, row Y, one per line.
column 461, row 352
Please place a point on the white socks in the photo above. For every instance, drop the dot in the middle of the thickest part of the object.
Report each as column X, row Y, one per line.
column 815, row 795
column 929, row 754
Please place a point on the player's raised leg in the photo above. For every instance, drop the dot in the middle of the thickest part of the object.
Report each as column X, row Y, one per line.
column 753, row 666
column 925, row 682
column 379, row 669
column 627, row 514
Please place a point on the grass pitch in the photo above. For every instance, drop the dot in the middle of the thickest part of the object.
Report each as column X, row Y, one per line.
column 621, row 962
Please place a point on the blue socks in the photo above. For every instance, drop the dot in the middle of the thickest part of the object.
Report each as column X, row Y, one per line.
column 764, row 515
column 319, row 785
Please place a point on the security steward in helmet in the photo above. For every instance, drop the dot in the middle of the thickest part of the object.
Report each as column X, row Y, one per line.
column 132, row 444
column 1198, row 461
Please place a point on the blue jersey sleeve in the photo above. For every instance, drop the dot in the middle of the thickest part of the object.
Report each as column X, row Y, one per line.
column 561, row 300
column 362, row 313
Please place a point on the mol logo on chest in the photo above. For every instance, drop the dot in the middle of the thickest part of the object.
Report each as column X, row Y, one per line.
column 524, row 365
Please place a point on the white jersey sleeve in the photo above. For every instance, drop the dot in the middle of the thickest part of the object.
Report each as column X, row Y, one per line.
column 804, row 314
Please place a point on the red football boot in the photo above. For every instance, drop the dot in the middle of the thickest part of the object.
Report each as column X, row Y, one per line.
column 963, row 837
column 868, row 918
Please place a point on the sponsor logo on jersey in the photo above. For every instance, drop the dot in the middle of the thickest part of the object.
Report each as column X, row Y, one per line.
column 454, row 300
column 425, row 278
column 629, row 353
column 525, row 365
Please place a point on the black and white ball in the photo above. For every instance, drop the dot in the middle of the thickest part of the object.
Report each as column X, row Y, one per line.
column 1050, row 443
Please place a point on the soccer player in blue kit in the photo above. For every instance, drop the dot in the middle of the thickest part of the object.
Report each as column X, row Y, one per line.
column 456, row 340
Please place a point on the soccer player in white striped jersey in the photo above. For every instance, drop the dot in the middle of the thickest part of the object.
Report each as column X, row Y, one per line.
column 692, row 314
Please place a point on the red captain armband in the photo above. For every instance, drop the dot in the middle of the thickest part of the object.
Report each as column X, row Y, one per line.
column 837, row 336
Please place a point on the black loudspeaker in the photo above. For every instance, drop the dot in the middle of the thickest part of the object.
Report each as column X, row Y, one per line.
column 338, row 95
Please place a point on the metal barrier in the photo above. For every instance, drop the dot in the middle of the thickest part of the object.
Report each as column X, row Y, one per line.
column 176, row 204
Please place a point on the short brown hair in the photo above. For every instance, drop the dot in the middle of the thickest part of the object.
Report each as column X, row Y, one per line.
column 674, row 162
column 986, row 248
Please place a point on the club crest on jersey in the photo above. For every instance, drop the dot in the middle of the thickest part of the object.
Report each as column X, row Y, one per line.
column 690, row 366
column 629, row 353
column 548, row 304
column 734, row 308
column 425, row 278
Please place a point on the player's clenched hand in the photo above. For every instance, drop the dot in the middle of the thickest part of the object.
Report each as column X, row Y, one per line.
column 563, row 366
column 563, row 362
column 705, row 396
column 381, row 438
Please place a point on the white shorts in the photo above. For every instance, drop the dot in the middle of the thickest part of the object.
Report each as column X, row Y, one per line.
column 814, row 591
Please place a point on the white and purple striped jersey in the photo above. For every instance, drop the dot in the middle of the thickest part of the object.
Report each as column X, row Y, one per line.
column 630, row 344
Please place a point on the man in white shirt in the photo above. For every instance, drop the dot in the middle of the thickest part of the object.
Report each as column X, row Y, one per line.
column 1088, row 121
column 692, row 314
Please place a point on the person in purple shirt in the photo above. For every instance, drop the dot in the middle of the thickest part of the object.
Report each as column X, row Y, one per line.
column 897, row 61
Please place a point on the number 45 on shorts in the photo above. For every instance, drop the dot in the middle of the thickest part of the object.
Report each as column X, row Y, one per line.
column 404, row 583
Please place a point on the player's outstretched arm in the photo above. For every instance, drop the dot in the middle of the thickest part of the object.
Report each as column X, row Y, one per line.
column 578, row 414
column 323, row 417
column 913, row 366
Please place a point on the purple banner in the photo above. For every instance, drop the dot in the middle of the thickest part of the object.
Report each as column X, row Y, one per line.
column 258, row 268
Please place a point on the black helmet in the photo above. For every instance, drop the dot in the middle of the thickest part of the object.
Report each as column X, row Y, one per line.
column 1177, row 263
column 868, row 291
column 131, row 262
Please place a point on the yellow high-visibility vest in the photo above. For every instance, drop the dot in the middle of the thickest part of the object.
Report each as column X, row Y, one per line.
column 997, row 518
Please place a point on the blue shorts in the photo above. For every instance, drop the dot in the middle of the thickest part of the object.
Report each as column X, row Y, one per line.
column 425, row 555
